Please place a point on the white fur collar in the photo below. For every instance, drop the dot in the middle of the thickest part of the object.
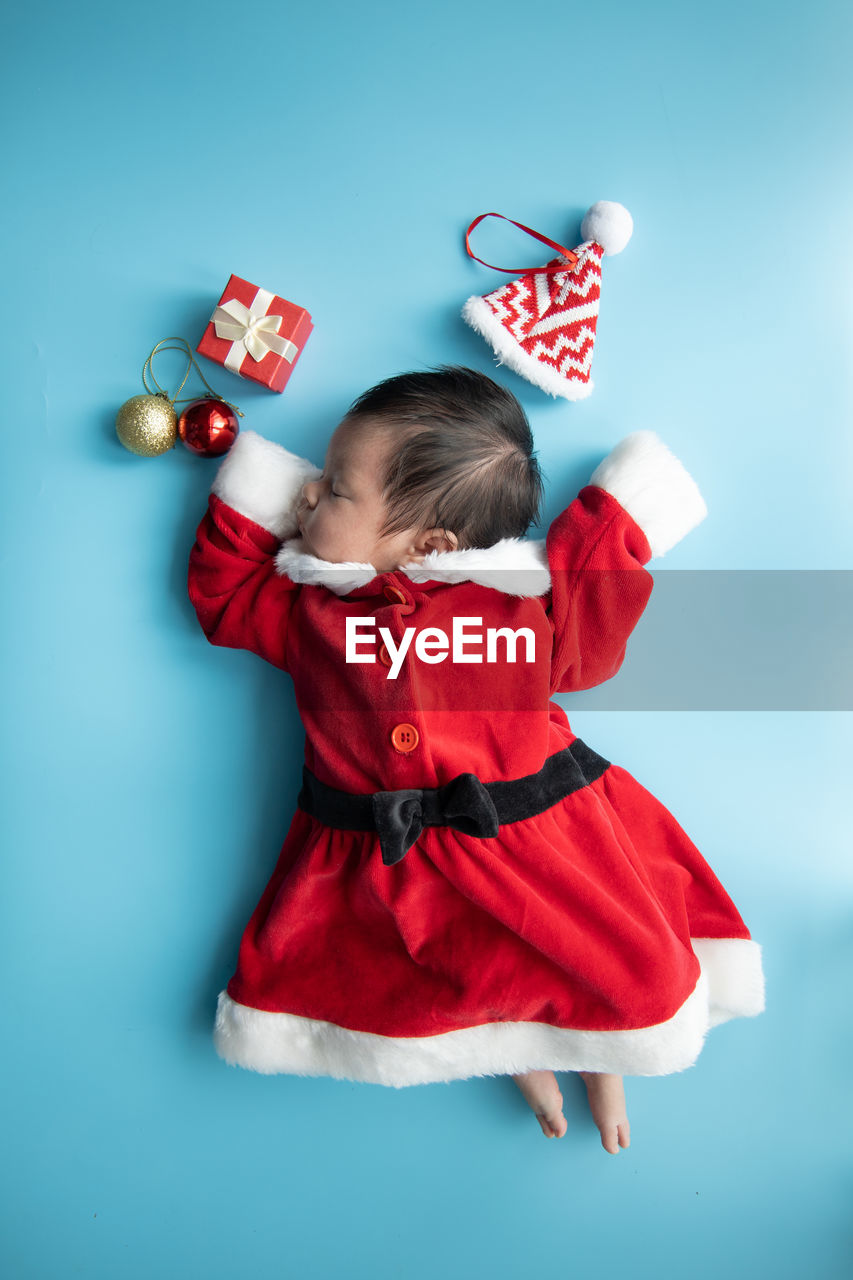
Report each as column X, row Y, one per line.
column 515, row 566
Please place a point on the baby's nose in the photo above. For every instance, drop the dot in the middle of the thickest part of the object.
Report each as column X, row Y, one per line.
column 311, row 493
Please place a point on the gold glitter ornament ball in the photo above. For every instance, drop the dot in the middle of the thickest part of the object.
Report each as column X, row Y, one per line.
column 147, row 425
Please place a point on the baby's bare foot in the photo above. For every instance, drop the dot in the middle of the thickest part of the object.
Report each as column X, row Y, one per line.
column 606, row 1095
column 542, row 1092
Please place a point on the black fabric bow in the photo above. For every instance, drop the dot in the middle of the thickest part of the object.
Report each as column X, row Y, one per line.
column 400, row 816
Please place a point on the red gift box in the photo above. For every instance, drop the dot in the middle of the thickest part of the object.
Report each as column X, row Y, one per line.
column 256, row 334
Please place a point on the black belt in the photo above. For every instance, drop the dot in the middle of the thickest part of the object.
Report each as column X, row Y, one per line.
column 465, row 803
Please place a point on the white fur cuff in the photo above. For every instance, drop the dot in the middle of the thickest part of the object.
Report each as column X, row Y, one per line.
column 653, row 487
column 263, row 481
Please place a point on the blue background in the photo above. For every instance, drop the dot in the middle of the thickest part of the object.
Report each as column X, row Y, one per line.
column 335, row 153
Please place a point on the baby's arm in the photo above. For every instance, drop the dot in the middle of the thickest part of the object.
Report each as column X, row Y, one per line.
column 240, row 598
column 639, row 503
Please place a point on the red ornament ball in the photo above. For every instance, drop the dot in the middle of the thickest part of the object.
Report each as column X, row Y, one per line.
column 208, row 427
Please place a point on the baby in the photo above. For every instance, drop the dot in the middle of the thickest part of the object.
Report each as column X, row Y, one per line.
column 466, row 888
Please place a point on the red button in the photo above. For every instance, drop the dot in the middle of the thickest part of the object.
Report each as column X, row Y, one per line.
column 404, row 738
column 384, row 655
column 395, row 594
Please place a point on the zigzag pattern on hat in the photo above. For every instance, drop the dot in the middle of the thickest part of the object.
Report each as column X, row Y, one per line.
column 543, row 324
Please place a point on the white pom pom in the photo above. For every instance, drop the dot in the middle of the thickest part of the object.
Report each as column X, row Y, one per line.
column 608, row 224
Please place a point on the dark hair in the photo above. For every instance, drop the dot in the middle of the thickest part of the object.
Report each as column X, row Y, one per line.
column 464, row 461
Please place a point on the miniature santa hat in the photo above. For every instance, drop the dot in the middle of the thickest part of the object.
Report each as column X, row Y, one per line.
column 543, row 324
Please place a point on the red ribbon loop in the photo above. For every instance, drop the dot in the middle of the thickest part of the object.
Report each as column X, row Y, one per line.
column 551, row 269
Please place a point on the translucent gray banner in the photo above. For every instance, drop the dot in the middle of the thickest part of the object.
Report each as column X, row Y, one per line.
column 708, row 640
column 745, row 640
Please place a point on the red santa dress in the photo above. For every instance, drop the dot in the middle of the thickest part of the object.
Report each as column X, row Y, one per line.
column 589, row 933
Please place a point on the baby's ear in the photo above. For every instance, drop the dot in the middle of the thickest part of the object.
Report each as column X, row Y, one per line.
column 437, row 540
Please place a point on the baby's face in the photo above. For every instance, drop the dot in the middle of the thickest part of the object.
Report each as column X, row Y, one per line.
column 341, row 514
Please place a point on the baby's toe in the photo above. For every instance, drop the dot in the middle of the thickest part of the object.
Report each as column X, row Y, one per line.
column 610, row 1139
column 545, row 1126
column 624, row 1134
column 553, row 1123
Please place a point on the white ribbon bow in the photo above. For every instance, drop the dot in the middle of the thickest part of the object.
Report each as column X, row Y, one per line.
column 251, row 332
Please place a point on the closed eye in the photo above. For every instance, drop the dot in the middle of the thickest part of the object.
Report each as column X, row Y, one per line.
column 332, row 490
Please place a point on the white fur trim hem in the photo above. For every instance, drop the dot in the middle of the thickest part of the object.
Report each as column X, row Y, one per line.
column 654, row 488
column 730, row 985
column 480, row 316
column 263, row 481
column 735, row 977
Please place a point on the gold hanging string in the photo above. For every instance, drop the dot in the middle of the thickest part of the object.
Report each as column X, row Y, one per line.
column 184, row 347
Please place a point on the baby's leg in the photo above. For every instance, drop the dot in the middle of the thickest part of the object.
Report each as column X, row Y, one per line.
column 542, row 1092
column 606, row 1095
